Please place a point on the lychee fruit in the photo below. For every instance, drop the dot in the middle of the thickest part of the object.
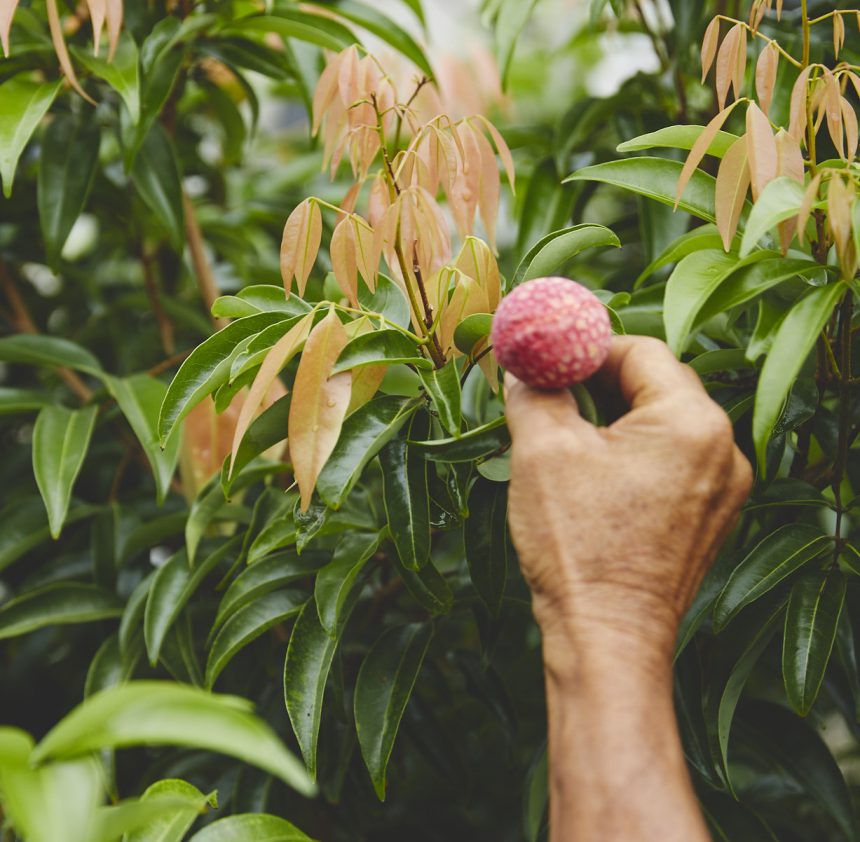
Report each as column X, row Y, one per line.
column 551, row 333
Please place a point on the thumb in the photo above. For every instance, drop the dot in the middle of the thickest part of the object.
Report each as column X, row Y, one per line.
column 536, row 412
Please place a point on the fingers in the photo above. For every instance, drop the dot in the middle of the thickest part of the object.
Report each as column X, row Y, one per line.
column 535, row 413
column 645, row 371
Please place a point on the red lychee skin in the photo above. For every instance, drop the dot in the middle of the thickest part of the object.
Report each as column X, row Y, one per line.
column 551, row 333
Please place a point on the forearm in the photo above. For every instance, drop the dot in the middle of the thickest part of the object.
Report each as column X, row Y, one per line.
column 617, row 771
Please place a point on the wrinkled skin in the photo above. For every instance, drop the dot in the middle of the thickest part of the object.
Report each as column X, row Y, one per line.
column 615, row 528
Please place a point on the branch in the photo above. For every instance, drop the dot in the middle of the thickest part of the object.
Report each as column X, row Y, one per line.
column 165, row 325
column 202, row 270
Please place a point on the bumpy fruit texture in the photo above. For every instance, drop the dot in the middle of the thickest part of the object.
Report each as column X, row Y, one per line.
column 551, row 333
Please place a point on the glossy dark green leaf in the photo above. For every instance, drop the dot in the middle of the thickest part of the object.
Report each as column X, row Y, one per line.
column 704, row 237
column 791, row 744
column 265, row 576
column 278, row 533
column 552, row 252
column 737, row 679
column 250, row 827
column 61, row 438
column 306, row 669
column 486, row 539
column 780, row 200
column 443, row 387
column 174, row 584
column 536, row 796
column 406, row 497
column 429, row 588
column 140, row 398
column 730, row 821
column 14, row 400
column 204, row 509
column 382, row 26
column 336, row 581
column 656, row 178
column 289, row 22
column 23, row 104
column 60, row 603
column 106, row 668
column 70, row 153
column 250, row 55
column 769, row 562
column 387, row 300
column 363, row 435
column 846, row 651
column 678, row 137
column 787, row 492
column 382, row 690
column 247, row 624
column 792, row 343
column 206, row 368
column 156, row 176
column 387, row 346
column 48, row 350
column 472, row 330
column 153, row 712
column 259, row 298
column 310, row 522
column 121, row 73
column 810, row 631
column 546, row 206
column 479, row 442
column 171, row 826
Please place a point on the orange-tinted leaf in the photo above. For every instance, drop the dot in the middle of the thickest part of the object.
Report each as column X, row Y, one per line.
column 838, row 34
column 435, row 237
column 700, row 148
column 832, row 104
column 849, row 120
column 7, row 12
column 98, row 11
column 789, row 163
column 61, row 50
column 477, row 261
column 319, row 404
column 840, row 198
column 740, row 63
column 300, row 244
column 366, row 378
column 726, row 63
column 765, row 76
column 366, row 258
column 733, row 181
column 326, row 91
column 761, row 150
column 489, row 188
column 709, row 46
column 490, row 366
column 798, row 118
column 810, row 196
column 279, row 355
column 502, row 149
column 343, row 261
column 379, row 201
column 350, row 199
column 113, row 14
column 468, row 298
column 349, row 77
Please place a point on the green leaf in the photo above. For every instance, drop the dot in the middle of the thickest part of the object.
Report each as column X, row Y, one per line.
column 259, row 298
column 336, row 581
column 704, row 237
column 247, row 624
column 762, row 635
column 780, row 200
column 553, row 251
column 547, row 204
column 406, row 498
column 479, row 442
column 753, row 279
column 770, row 561
column 161, row 712
column 14, row 400
column 265, row 576
column 206, row 368
column 382, row 691
column 656, row 178
column 121, row 73
column 792, row 343
column 387, row 300
column 729, row 821
column 250, row 827
column 443, row 386
column 536, row 796
column 204, row 509
column 472, row 330
column 106, row 668
column 67, row 166
column 23, row 104
column 173, row 825
column 678, row 137
column 60, row 603
column 173, row 585
column 429, row 587
column 48, row 350
column 304, row 26
column 140, row 398
column 386, row 346
column 60, row 440
column 485, row 535
column 511, row 19
column 810, row 630
column 363, row 435
column 385, row 28
column 691, row 284
column 306, row 669
column 156, row 176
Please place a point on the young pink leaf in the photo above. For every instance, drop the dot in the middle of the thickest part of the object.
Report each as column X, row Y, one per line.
column 476, row 261
column 300, row 244
column 789, row 163
column 113, row 15
column 343, row 262
column 727, row 59
column 798, row 117
column 733, row 181
column 740, row 63
column 700, row 148
column 849, row 120
column 502, row 149
column 7, row 12
column 98, row 12
column 489, row 188
column 326, row 91
column 810, row 197
column 366, row 258
column 62, row 51
column 709, row 46
column 832, row 104
column 761, row 150
column 468, row 298
column 319, row 404
column 765, row 76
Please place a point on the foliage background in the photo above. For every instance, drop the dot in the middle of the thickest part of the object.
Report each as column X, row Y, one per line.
column 468, row 758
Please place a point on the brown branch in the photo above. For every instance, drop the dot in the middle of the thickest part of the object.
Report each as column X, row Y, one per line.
column 25, row 324
column 158, row 368
column 428, row 310
column 153, row 292
column 202, row 270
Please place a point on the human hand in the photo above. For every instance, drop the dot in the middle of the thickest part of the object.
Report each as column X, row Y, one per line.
column 615, row 527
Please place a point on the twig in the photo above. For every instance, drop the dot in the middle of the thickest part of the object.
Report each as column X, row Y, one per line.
column 158, row 368
column 165, row 325
column 202, row 270
column 25, row 324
